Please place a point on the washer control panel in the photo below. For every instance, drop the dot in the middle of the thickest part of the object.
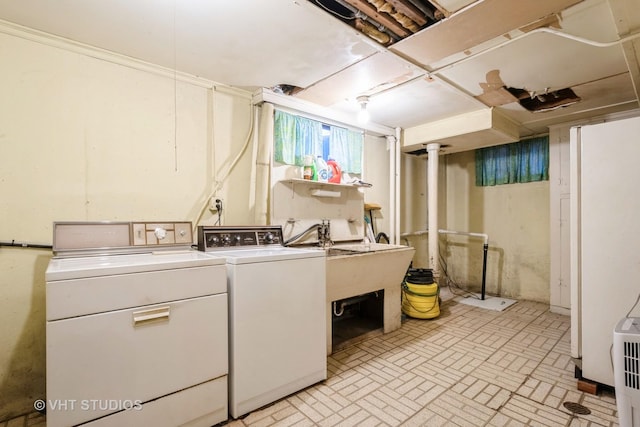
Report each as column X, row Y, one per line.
column 211, row 238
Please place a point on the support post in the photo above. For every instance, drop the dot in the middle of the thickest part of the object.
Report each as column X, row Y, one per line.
column 432, row 207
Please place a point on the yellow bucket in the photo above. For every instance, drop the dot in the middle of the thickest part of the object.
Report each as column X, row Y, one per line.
column 420, row 300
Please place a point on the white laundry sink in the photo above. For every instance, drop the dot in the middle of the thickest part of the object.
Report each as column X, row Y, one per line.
column 354, row 248
column 357, row 269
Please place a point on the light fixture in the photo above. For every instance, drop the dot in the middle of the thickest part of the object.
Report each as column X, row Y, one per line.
column 363, row 114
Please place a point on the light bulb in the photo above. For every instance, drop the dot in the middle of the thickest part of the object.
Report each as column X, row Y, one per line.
column 363, row 114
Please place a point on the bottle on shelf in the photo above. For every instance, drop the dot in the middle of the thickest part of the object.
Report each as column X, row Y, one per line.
column 335, row 174
column 322, row 169
column 309, row 168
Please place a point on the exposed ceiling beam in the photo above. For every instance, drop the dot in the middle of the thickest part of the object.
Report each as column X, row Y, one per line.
column 405, row 7
column 365, row 7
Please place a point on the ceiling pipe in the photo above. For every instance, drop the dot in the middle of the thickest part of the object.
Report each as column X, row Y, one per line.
column 357, row 14
column 356, row 7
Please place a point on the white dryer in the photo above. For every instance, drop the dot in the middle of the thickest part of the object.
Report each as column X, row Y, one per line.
column 136, row 327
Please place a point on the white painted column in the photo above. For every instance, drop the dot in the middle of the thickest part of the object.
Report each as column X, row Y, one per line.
column 393, row 203
column 432, row 206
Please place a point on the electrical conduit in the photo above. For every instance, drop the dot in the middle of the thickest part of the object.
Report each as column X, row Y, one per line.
column 220, row 180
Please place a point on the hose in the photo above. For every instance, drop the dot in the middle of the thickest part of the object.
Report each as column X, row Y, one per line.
column 299, row 235
column 380, row 236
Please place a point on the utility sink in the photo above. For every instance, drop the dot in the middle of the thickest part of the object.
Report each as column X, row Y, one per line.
column 358, row 269
column 339, row 251
column 360, row 248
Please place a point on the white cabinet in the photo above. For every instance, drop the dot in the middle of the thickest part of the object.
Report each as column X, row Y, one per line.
column 559, row 195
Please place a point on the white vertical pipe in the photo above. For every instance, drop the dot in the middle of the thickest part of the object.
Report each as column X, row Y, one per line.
column 396, row 229
column 432, row 192
column 391, row 146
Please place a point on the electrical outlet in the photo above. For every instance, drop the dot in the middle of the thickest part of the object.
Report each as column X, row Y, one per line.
column 213, row 204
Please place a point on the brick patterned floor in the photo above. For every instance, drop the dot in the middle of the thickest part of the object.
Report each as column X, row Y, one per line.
column 468, row 367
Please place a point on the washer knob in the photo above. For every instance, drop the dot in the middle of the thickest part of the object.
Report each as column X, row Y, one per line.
column 268, row 237
column 226, row 240
column 213, row 241
column 160, row 233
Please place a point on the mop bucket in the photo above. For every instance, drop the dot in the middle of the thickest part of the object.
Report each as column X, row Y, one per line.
column 420, row 294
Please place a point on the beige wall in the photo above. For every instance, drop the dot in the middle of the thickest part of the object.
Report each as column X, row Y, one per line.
column 83, row 138
column 376, row 172
column 516, row 218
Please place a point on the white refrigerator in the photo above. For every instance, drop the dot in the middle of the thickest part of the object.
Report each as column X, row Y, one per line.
column 605, row 239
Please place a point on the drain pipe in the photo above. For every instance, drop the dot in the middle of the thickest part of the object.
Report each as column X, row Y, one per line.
column 485, row 249
column 395, row 236
column 393, row 204
column 432, row 192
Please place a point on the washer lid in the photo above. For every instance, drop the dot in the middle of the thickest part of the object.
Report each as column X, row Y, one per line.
column 268, row 254
column 107, row 265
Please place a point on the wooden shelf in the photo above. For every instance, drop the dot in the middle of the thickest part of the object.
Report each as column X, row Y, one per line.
column 322, row 184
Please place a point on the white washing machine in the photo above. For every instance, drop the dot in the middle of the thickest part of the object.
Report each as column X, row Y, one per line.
column 136, row 327
column 277, row 314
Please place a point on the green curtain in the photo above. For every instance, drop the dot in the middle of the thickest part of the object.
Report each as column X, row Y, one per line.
column 345, row 147
column 296, row 136
column 524, row 161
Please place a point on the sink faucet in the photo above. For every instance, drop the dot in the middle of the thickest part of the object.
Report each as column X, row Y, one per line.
column 324, row 233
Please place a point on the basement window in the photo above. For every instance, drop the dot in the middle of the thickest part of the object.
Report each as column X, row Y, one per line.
column 519, row 162
column 297, row 136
